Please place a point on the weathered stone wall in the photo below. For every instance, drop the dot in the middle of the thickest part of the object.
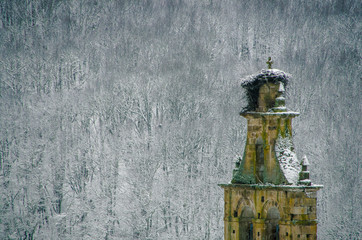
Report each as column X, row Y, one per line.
column 263, row 130
column 296, row 206
column 267, row 94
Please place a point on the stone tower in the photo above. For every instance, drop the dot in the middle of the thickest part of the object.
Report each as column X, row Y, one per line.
column 270, row 195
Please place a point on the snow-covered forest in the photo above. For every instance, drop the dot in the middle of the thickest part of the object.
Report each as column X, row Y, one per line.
column 119, row 118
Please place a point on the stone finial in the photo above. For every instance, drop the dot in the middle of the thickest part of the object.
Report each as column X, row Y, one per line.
column 305, row 161
column 304, row 174
column 281, row 88
column 279, row 105
column 269, row 62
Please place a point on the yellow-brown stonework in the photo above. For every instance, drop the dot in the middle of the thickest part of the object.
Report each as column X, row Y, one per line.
column 270, row 195
column 263, row 130
column 296, row 206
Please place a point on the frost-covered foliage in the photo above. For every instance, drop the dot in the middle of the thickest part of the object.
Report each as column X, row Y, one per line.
column 287, row 158
column 119, row 118
column 252, row 84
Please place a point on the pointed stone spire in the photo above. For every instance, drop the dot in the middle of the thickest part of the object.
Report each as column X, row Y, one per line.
column 280, row 99
column 304, row 174
column 305, row 161
column 281, row 88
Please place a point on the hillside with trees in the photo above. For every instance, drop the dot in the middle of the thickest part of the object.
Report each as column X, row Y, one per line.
column 119, row 118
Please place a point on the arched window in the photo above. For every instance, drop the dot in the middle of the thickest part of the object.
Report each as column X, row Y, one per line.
column 246, row 224
column 272, row 224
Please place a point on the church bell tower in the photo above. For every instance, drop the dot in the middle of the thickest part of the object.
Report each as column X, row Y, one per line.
column 270, row 195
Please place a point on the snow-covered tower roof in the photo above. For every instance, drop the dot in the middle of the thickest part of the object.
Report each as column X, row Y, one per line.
column 254, row 83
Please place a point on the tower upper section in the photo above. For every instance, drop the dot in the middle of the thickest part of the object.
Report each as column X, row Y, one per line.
column 269, row 155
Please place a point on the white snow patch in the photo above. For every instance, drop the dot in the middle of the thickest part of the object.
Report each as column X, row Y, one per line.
column 288, row 160
column 266, row 72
